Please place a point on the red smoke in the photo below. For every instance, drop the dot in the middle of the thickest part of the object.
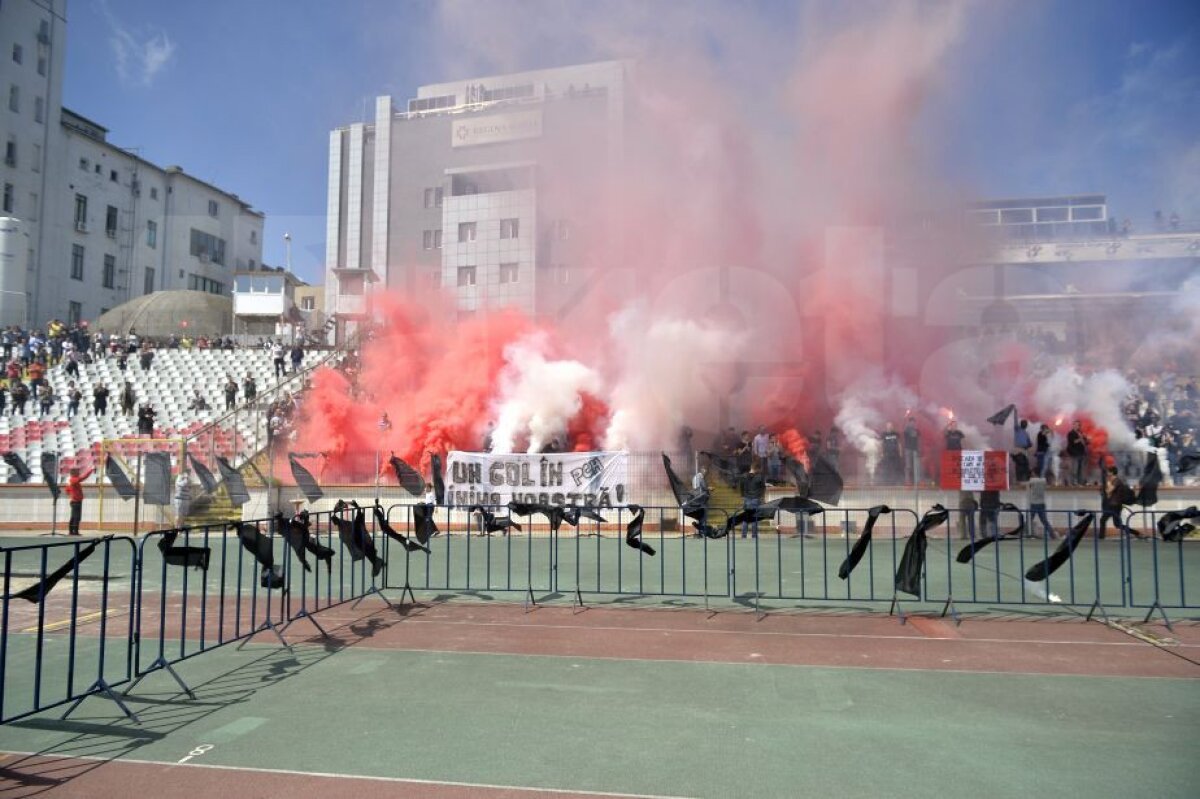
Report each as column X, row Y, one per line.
column 585, row 430
column 795, row 444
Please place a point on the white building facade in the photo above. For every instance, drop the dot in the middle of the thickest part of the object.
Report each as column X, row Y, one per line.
column 104, row 225
column 462, row 190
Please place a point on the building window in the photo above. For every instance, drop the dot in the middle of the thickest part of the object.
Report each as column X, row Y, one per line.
column 432, row 239
column 508, row 273
column 14, row 98
column 308, row 303
column 112, row 175
column 110, row 272
column 81, row 213
column 202, row 283
column 466, row 276
column 37, row 158
column 39, row 110
column 213, row 208
column 8, row 198
column 97, row 169
column 510, row 228
column 42, row 66
column 84, row 164
column 208, row 247
column 10, row 152
column 254, row 237
column 74, row 313
column 433, row 197
column 153, row 192
column 17, row 53
column 466, row 231
column 32, row 213
column 77, row 262
column 148, row 282
column 152, row 234
column 110, row 222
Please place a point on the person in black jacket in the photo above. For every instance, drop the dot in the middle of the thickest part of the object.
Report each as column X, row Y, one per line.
column 754, row 487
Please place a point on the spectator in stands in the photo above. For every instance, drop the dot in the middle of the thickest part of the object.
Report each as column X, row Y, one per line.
column 231, row 390
column 989, row 513
column 754, row 487
column 122, row 361
column 145, row 420
column 128, row 399
column 249, row 389
column 3, row 397
column 183, row 497
column 72, row 368
column 277, row 357
column 146, row 358
column 953, row 436
column 74, row 395
column 743, row 455
column 45, row 396
column 891, row 466
column 197, row 403
column 774, row 459
column 760, row 444
column 297, row 356
column 75, row 498
column 912, row 452
column 1042, row 453
column 20, row 396
column 36, row 373
column 1115, row 493
column 1077, row 450
column 1037, row 506
column 100, row 399
column 833, row 448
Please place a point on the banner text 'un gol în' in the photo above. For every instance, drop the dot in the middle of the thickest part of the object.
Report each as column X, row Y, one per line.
column 591, row 479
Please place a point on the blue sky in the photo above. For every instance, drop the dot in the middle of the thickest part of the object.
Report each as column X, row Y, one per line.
column 1040, row 97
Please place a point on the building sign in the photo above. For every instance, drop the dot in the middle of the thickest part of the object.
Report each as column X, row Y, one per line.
column 975, row 470
column 593, row 479
column 496, row 128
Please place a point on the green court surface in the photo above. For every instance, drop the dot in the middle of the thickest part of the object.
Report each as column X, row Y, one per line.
column 641, row 727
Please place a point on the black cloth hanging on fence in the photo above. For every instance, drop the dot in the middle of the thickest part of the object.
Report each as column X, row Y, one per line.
column 677, row 487
column 50, row 473
column 864, row 540
column 1172, row 526
column 747, row 515
column 182, row 556
column 235, row 486
column 39, row 590
column 493, row 523
column 1040, row 571
column 795, row 504
column 573, row 514
column 825, row 485
column 633, row 531
column 354, row 536
column 259, row 545
column 966, row 553
column 408, row 477
column 157, row 488
column 304, row 479
column 553, row 513
column 203, row 474
column 423, row 520
column 406, row 542
column 912, row 562
column 439, row 485
column 118, row 478
column 799, row 476
column 20, row 471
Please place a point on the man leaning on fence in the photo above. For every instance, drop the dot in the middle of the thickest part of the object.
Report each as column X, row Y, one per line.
column 75, row 497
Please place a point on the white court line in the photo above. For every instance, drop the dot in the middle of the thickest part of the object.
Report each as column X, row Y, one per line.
column 415, row 620
column 334, row 775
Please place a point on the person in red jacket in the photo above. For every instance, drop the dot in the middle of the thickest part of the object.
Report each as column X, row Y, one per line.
column 75, row 495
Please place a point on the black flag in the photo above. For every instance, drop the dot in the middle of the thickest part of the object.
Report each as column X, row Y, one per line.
column 864, row 539
column 1001, row 416
column 1040, row 571
column 677, row 487
column 182, row 556
column 50, row 473
column 439, row 487
column 119, row 480
column 572, row 515
column 408, row 477
column 157, row 488
column 968, row 552
column 1173, row 526
column 21, row 472
column 304, row 480
column 235, row 486
column 799, row 476
column 423, row 520
column 259, row 545
column 38, row 591
column 825, row 484
column 1187, row 461
column 694, row 506
column 633, row 531
column 203, row 474
column 912, row 562
column 408, row 544
column 1147, row 493
column 491, row 522
column 354, row 535
column 795, row 505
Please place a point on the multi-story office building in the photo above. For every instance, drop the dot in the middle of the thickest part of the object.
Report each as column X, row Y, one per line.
column 101, row 224
column 482, row 187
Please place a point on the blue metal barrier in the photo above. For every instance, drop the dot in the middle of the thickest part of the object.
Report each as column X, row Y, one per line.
column 104, row 660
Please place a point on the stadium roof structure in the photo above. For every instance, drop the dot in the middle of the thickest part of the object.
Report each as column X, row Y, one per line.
column 163, row 313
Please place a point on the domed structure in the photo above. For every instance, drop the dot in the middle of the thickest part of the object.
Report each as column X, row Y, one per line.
column 164, row 313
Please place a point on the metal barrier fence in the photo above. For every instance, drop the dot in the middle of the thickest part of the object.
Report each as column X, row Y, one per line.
column 64, row 640
column 124, row 609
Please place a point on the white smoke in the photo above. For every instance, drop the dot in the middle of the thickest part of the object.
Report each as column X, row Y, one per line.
column 669, row 371
column 538, row 396
column 864, row 409
column 1067, row 393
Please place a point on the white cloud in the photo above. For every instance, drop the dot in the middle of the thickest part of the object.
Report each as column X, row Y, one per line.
column 140, row 55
